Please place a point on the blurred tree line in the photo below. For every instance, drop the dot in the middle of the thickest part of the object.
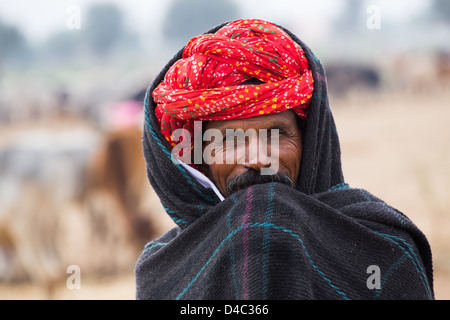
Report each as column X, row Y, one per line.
column 13, row 45
column 441, row 9
column 354, row 15
column 186, row 19
column 104, row 33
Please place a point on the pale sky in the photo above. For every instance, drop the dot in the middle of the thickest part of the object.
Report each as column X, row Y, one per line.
column 40, row 18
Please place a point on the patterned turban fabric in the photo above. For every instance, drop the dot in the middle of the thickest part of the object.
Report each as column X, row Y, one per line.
column 206, row 84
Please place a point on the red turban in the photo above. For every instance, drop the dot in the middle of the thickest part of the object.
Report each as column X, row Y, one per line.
column 206, row 83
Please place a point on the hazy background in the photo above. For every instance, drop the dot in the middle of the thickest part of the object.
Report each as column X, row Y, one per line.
column 73, row 190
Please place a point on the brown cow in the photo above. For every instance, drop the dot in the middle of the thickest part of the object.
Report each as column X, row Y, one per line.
column 74, row 198
column 41, row 179
column 117, row 175
column 443, row 68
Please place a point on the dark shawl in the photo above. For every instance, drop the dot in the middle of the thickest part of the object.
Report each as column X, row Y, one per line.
column 318, row 241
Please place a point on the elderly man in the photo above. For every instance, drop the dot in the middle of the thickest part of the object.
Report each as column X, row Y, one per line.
column 297, row 231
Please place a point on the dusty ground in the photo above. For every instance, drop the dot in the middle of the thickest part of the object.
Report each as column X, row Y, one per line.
column 395, row 146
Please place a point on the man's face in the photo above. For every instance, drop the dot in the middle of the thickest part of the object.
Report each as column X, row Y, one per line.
column 232, row 176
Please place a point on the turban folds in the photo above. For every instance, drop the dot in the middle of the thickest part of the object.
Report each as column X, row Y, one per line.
column 206, row 84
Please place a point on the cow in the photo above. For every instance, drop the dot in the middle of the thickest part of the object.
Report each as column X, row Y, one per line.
column 343, row 78
column 75, row 196
column 442, row 62
column 117, row 176
column 41, row 174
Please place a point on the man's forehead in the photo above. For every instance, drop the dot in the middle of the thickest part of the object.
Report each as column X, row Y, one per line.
column 285, row 118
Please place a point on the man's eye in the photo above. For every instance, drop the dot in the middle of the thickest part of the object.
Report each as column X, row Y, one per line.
column 228, row 138
column 229, row 141
column 275, row 132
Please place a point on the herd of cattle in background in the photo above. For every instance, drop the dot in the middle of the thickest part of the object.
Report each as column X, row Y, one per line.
column 80, row 196
column 75, row 196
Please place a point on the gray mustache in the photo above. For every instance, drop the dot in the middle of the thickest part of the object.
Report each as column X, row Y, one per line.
column 252, row 177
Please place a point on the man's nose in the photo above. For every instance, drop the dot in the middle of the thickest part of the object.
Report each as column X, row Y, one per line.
column 256, row 158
